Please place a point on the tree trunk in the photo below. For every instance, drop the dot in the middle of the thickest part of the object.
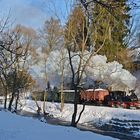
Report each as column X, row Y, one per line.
column 11, row 101
column 81, row 112
column 44, row 103
column 62, row 80
column 73, row 122
column 62, row 100
column 5, row 100
column 5, row 89
column 62, row 88
column 17, row 101
column 38, row 107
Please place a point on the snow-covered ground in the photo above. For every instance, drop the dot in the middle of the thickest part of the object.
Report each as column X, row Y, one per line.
column 92, row 115
column 96, row 114
column 13, row 127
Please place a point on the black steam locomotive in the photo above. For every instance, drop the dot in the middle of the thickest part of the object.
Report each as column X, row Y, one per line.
column 120, row 99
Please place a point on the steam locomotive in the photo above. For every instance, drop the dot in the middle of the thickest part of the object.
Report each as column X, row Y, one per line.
column 109, row 98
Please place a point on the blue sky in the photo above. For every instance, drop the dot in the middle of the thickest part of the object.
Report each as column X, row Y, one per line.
column 31, row 13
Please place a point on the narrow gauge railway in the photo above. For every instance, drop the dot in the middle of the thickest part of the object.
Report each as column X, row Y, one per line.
column 109, row 98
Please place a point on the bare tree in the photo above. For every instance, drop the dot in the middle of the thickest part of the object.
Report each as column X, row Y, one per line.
column 78, row 40
column 51, row 39
column 14, row 48
column 9, row 52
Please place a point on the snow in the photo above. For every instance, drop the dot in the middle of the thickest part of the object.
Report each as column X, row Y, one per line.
column 13, row 127
column 94, row 114
column 99, row 89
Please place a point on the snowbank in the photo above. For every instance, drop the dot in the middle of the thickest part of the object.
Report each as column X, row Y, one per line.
column 93, row 114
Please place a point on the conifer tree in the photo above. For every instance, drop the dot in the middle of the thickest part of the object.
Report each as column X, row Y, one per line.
column 111, row 19
column 76, row 30
column 117, row 27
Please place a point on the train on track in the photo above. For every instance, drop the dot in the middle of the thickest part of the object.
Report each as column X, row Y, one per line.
column 109, row 98
column 101, row 97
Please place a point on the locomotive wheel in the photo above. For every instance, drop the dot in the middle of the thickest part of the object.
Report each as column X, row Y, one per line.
column 124, row 105
column 113, row 105
column 118, row 104
column 128, row 107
